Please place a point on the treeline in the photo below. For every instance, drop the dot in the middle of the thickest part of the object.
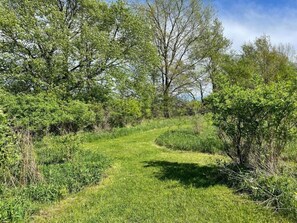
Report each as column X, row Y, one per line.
column 101, row 53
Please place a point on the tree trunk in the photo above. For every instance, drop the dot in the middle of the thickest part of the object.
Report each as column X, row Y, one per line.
column 166, row 104
column 201, row 92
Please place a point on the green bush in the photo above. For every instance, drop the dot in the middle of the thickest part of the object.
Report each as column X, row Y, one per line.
column 124, row 111
column 290, row 152
column 77, row 116
column 99, row 112
column 45, row 192
column 36, row 113
column 57, row 149
column 255, row 124
column 10, row 153
column 46, row 113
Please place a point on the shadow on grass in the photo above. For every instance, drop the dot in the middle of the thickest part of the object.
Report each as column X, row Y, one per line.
column 188, row 174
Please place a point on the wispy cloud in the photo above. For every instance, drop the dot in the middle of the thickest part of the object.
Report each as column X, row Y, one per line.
column 243, row 21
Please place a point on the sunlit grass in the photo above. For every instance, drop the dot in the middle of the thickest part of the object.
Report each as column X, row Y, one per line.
column 148, row 183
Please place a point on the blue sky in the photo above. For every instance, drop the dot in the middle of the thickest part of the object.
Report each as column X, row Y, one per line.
column 244, row 20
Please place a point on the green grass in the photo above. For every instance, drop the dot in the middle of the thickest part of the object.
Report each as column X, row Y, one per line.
column 144, row 126
column 148, row 183
column 290, row 152
column 188, row 140
column 65, row 169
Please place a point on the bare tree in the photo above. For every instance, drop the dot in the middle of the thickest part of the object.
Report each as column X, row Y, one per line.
column 183, row 35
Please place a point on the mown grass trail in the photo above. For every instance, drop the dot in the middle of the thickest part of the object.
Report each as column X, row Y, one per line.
column 148, row 183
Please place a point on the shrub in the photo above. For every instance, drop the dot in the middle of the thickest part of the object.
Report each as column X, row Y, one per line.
column 124, row 111
column 44, row 192
column 99, row 115
column 46, row 113
column 36, row 113
column 76, row 116
column 17, row 157
column 10, row 154
column 255, row 124
column 290, row 152
column 57, row 149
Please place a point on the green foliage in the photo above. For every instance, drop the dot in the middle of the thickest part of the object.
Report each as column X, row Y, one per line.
column 10, row 153
column 14, row 209
column 73, row 176
column 65, row 169
column 259, row 63
column 34, row 112
column 73, row 49
column 181, row 107
column 290, row 152
column 46, row 113
column 255, row 124
column 44, row 192
column 124, row 111
column 99, row 112
column 57, row 149
column 77, row 116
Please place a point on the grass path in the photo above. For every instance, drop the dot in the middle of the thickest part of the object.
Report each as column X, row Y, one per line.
column 148, row 183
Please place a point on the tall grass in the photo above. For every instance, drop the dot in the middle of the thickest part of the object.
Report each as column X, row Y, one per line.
column 61, row 167
column 290, row 152
column 202, row 137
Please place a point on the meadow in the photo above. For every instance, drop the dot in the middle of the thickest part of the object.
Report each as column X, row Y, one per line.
column 149, row 183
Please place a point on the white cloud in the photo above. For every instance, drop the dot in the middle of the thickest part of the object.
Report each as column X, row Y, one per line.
column 244, row 22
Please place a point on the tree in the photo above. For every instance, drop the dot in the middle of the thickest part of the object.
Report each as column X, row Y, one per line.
column 254, row 106
column 185, row 31
column 260, row 62
column 75, row 48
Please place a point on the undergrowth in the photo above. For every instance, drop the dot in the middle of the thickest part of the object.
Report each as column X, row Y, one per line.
column 65, row 169
column 290, row 152
column 276, row 191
